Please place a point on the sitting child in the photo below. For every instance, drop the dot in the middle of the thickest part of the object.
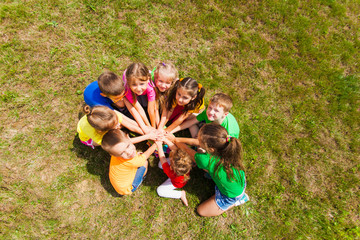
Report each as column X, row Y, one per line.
column 224, row 162
column 218, row 112
column 108, row 91
column 127, row 167
column 178, row 172
column 163, row 76
column 100, row 119
column 185, row 101
column 140, row 95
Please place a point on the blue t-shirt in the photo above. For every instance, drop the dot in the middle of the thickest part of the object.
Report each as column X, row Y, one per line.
column 93, row 98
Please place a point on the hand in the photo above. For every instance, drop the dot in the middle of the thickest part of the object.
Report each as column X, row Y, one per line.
column 171, row 137
column 148, row 129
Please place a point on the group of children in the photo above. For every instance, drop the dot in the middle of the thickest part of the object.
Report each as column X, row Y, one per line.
column 155, row 105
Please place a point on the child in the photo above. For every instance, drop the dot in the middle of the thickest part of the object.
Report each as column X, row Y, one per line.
column 137, row 80
column 163, row 77
column 218, row 112
column 127, row 167
column 185, row 99
column 108, row 91
column 178, row 172
column 223, row 161
column 100, row 119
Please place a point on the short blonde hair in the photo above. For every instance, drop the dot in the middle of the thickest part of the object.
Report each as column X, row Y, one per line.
column 223, row 100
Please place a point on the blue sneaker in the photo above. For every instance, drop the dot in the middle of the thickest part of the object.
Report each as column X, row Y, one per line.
column 243, row 200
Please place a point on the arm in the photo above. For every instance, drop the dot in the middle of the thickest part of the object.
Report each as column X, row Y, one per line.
column 136, row 115
column 186, row 124
column 157, row 115
column 161, row 152
column 152, row 113
column 164, row 118
column 178, row 121
column 153, row 135
column 189, row 141
column 142, row 113
column 188, row 150
column 150, row 151
column 171, row 145
column 131, row 124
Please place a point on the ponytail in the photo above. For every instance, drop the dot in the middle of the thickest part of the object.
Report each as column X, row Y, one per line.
column 229, row 149
column 101, row 118
column 193, row 88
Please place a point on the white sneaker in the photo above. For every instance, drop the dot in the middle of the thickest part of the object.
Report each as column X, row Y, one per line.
column 243, row 200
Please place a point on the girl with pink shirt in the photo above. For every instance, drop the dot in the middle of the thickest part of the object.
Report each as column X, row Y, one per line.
column 140, row 93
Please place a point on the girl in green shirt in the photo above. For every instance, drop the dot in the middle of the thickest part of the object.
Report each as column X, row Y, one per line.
column 223, row 161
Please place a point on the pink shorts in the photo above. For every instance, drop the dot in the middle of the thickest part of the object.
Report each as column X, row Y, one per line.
column 89, row 143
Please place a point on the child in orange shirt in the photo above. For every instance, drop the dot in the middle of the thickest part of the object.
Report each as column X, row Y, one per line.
column 128, row 168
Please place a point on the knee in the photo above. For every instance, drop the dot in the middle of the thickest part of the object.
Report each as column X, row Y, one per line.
column 160, row 191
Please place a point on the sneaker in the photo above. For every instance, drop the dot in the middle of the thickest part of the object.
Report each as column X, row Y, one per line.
column 243, row 200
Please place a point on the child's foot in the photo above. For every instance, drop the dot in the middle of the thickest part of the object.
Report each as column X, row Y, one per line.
column 183, row 198
column 243, row 200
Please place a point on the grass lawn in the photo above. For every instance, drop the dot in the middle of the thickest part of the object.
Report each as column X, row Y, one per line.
column 291, row 67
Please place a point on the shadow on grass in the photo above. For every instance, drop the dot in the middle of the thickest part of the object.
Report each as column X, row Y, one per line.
column 98, row 162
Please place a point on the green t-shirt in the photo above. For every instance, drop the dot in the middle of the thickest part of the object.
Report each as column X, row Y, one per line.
column 229, row 123
column 230, row 188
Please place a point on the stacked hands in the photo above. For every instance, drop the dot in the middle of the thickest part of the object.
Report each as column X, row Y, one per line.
column 135, row 102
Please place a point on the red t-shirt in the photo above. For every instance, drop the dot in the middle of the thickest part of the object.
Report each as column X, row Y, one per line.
column 177, row 181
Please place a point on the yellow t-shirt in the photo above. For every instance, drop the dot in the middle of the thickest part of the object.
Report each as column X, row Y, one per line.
column 196, row 110
column 122, row 172
column 86, row 131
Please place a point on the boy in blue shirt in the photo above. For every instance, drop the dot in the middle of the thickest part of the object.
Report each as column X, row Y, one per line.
column 108, row 91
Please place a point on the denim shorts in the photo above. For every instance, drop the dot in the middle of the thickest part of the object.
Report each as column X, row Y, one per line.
column 224, row 202
column 139, row 177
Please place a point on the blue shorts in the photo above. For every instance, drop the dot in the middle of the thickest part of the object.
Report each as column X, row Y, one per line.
column 224, row 202
column 139, row 177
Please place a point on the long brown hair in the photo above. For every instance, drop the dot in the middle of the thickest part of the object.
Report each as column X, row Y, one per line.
column 101, row 118
column 193, row 88
column 219, row 144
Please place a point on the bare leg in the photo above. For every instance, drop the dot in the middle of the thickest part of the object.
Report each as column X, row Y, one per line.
column 146, row 166
column 183, row 198
column 209, row 208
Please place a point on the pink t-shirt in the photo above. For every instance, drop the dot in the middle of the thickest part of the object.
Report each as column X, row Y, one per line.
column 150, row 91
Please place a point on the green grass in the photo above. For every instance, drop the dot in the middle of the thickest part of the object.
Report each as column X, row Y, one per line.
column 292, row 68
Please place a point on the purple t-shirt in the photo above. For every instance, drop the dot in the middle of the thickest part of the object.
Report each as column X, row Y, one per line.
column 150, row 91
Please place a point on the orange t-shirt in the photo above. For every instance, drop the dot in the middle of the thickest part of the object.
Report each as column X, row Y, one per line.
column 122, row 172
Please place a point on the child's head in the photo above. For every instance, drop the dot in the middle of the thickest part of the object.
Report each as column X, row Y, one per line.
column 219, row 107
column 164, row 76
column 215, row 140
column 118, row 144
column 137, row 77
column 101, row 118
column 186, row 92
column 180, row 162
column 111, row 86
